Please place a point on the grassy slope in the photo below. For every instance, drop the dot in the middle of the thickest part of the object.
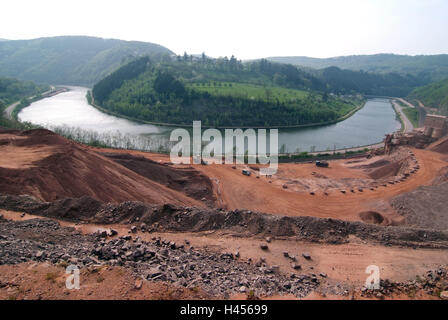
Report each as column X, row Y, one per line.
column 251, row 91
column 434, row 95
column 413, row 115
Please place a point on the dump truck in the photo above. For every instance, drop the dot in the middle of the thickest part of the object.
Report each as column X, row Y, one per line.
column 322, row 164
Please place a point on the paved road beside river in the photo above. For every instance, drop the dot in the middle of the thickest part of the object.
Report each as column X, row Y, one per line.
column 408, row 127
column 8, row 111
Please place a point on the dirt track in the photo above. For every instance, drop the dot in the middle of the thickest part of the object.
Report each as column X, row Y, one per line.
column 50, row 167
column 236, row 191
column 239, row 191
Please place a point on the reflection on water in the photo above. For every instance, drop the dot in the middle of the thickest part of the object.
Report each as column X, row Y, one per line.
column 70, row 114
column 367, row 126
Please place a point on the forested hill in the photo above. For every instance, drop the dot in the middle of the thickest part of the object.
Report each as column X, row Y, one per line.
column 220, row 92
column 434, row 95
column 426, row 67
column 349, row 81
column 71, row 60
column 12, row 90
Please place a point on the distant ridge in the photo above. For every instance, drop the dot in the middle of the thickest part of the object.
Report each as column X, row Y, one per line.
column 72, row 60
column 430, row 67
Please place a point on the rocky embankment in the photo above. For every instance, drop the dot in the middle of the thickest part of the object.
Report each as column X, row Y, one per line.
column 240, row 222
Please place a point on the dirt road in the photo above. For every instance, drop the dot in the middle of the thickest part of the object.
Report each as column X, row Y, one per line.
column 237, row 191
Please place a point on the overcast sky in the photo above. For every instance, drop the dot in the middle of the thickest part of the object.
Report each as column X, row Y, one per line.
column 247, row 29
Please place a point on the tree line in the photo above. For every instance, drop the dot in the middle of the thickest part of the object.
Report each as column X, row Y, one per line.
column 156, row 92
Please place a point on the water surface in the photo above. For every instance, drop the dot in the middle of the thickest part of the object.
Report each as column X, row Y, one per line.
column 71, row 110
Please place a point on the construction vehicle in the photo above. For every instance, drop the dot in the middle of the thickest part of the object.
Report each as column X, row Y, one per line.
column 323, row 164
column 246, row 172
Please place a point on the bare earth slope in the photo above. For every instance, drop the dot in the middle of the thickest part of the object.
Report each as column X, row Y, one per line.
column 187, row 180
column 49, row 167
column 426, row 206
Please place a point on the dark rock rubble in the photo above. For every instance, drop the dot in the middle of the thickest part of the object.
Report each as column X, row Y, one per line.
column 219, row 274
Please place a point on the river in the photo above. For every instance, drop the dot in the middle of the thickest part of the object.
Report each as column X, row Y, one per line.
column 70, row 110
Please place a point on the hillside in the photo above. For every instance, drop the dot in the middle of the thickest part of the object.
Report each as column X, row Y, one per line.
column 71, row 60
column 13, row 90
column 429, row 68
column 386, row 84
column 434, row 95
column 219, row 92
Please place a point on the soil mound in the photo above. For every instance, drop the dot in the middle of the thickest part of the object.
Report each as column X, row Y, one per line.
column 442, row 176
column 186, row 180
column 441, row 146
column 425, row 207
column 9, row 131
column 70, row 170
column 38, row 133
column 373, row 165
column 390, row 169
column 371, row 217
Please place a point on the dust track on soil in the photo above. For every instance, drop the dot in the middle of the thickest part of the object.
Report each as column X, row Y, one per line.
column 236, row 191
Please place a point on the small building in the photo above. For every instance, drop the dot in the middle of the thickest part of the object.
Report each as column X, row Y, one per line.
column 436, row 126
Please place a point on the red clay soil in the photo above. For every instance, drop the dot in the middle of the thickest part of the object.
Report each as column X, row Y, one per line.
column 49, row 167
column 388, row 170
column 73, row 170
column 236, row 191
column 440, row 146
column 42, row 281
column 187, row 180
